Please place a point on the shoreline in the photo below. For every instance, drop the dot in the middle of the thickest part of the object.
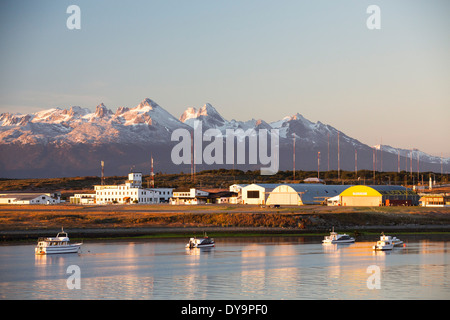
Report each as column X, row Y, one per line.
column 22, row 236
column 27, row 223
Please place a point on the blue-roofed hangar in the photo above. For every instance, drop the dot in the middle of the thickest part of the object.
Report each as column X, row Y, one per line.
column 289, row 194
column 304, row 194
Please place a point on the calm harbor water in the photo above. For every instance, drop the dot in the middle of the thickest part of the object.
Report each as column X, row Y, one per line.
column 243, row 268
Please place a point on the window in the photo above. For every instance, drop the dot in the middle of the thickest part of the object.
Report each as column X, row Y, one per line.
column 253, row 194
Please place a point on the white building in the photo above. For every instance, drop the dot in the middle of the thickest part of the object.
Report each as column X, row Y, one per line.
column 189, row 196
column 164, row 194
column 30, row 198
column 257, row 193
column 130, row 192
column 83, row 198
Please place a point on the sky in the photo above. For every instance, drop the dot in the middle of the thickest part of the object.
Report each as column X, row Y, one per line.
column 249, row 58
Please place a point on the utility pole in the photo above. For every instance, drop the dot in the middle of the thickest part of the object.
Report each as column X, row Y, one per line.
column 418, row 170
column 152, row 174
column 373, row 165
column 318, row 165
column 381, row 154
column 410, row 163
column 103, row 173
column 339, row 163
column 328, row 151
column 293, row 158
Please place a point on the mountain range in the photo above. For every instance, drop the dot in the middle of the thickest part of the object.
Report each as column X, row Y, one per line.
column 72, row 142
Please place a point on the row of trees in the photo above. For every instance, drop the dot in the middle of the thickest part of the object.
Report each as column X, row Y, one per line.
column 223, row 178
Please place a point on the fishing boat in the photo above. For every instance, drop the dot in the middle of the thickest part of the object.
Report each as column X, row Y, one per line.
column 59, row 244
column 200, row 242
column 385, row 243
column 334, row 237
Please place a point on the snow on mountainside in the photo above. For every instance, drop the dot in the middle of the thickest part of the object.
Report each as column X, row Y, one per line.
column 207, row 114
column 72, row 141
column 211, row 118
column 414, row 154
column 79, row 125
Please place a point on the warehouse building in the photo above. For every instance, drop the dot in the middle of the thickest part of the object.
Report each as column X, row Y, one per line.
column 302, row 194
column 368, row 196
column 30, row 198
column 289, row 194
column 257, row 193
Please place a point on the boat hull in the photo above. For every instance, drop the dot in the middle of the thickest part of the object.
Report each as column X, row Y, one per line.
column 73, row 248
column 337, row 241
column 383, row 248
column 200, row 245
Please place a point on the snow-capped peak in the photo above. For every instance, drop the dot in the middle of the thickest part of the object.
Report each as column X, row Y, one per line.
column 147, row 104
column 102, row 111
column 207, row 114
column 189, row 113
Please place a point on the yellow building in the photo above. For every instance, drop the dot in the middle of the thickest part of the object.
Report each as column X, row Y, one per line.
column 370, row 196
column 361, row 196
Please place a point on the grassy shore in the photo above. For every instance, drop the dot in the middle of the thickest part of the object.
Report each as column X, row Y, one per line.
column 119, row 221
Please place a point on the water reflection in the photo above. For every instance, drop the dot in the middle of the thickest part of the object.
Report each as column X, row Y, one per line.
column 246, row 268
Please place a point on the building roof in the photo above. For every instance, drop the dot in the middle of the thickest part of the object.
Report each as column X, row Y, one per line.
column 310, row 193
column 22, row 196
column 316, row 180
column 222, row 194
column 317, row 193
column 267, row 186
column 377, row 190
column 392, row 190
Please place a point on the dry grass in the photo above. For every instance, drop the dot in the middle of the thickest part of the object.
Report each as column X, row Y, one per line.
column 126, row 216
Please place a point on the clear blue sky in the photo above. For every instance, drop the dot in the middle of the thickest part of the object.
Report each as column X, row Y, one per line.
column 248, row 58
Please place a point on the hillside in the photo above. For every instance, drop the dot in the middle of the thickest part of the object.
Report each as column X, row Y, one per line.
column 69, row 142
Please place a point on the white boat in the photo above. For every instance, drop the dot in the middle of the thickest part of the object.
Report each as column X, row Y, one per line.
column 59, row 244
column 397, row 242
column 386, row 243
column 334, row 237
column 200, row 242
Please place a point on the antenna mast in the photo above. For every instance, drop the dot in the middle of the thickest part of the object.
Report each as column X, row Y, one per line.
column 152, row 174
column 103, row 173
column 293, row 159
column 339, row 161
column 381, row 153
column 192, row 157
column 373, row 165
column 328, row 151
column 318, row 165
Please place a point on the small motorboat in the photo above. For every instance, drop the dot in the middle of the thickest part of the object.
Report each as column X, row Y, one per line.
column 59, row 244
column 334, row 237
column 385, row 243
column 200, row 242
